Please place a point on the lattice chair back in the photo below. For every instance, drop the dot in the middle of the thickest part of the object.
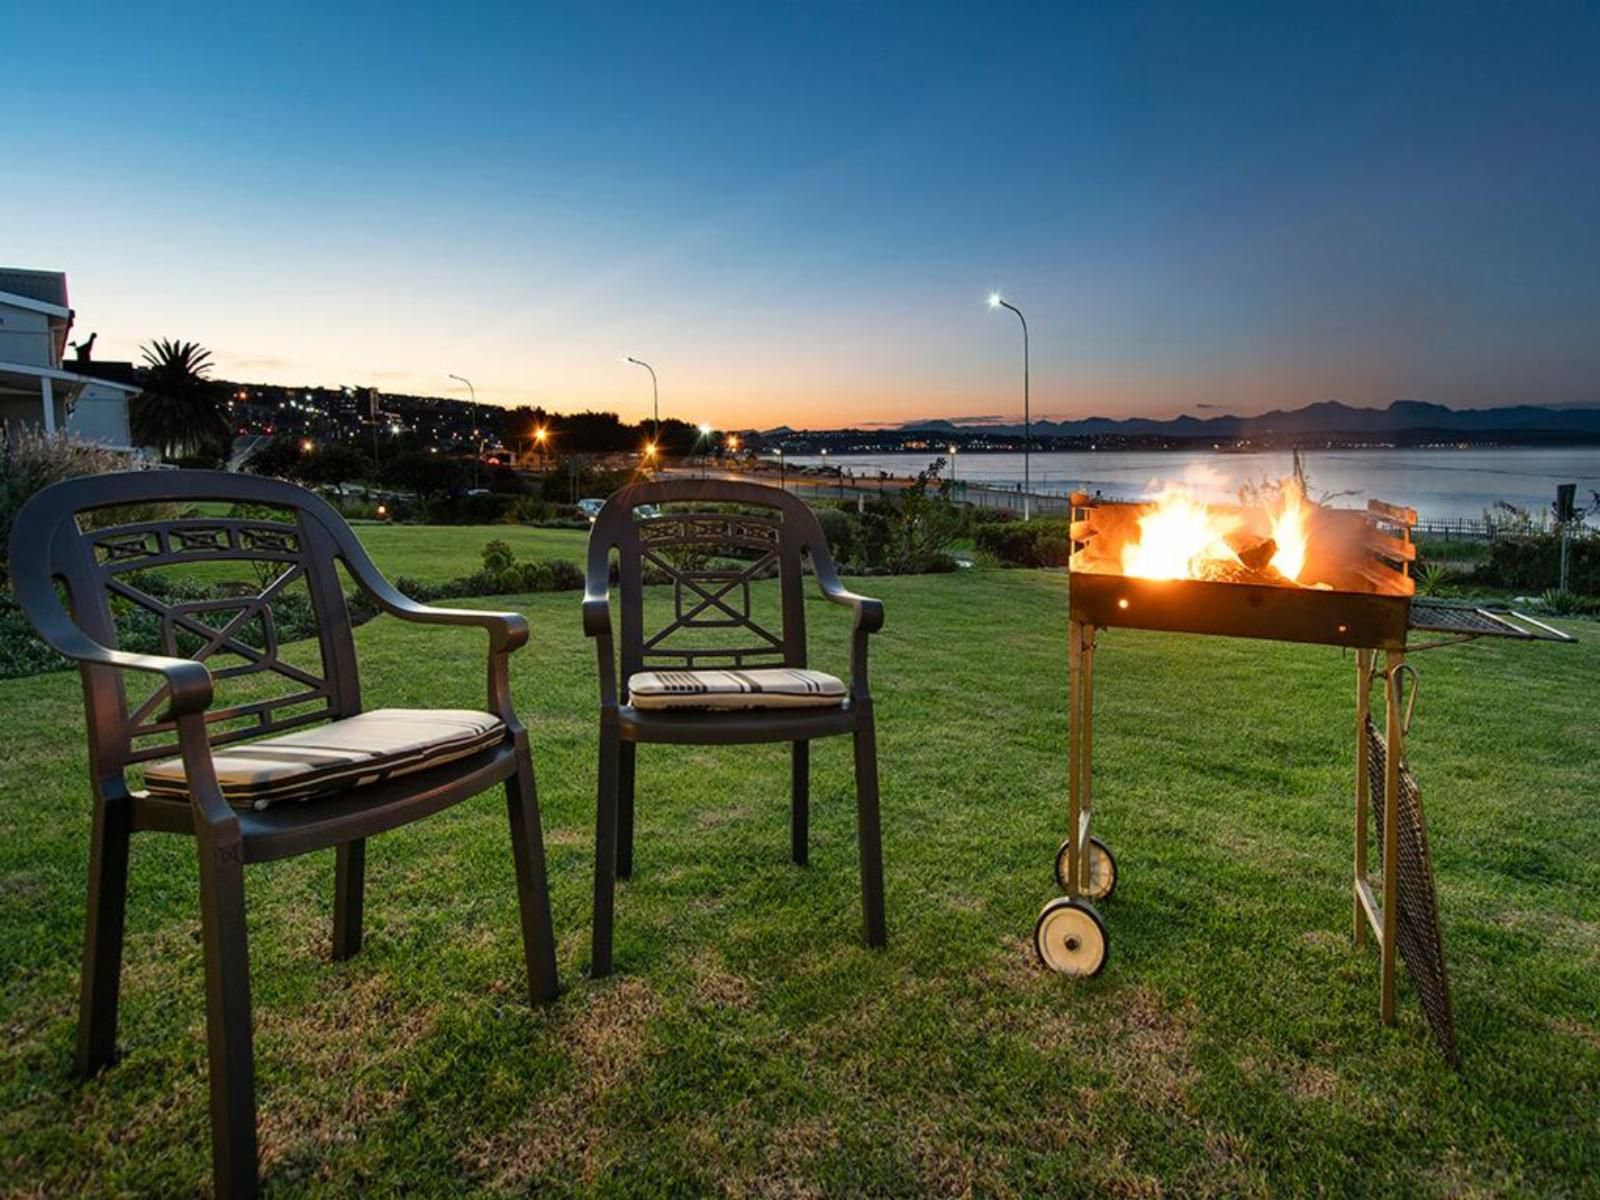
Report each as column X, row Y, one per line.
column 230, row 591
column 709, row 541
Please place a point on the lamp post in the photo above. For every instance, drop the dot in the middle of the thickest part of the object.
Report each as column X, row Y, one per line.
column 703, row 444
column 655, row 394
column 783, row 478
column 995, row 301
column 473, row 392
column 541, row 436
column 952, row 464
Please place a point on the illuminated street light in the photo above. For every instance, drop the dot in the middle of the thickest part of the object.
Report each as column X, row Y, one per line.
column 655, row 394
column 952, row 463
column 995, row 301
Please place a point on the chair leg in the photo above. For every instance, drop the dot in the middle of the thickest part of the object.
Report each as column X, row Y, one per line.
column 605, row 850
column 228, row 1035
column 102, row 943
column 533, row 893
column 800, row 804
column 349, row 892
column 625, row 774
column 869, row 840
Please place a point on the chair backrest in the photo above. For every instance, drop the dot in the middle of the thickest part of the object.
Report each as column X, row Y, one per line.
column 710, row 542
column 227, row 590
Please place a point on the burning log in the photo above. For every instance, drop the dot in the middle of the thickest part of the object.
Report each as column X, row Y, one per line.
column 1254, row 551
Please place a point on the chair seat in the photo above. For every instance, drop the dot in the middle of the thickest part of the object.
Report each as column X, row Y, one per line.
column 757, row 687
column 338, row 756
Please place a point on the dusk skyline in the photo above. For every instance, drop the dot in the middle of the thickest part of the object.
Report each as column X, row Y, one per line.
column 796, row 213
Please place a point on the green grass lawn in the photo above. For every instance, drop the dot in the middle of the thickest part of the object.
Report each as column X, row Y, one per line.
column 435, row 552
column 749, row 1044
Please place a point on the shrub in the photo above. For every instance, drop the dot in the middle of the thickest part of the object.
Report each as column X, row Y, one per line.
column 842, row 531
column 1046, row 542
column 497, row 556
column 31, row 461
column 1532, row 562
column 565, row 576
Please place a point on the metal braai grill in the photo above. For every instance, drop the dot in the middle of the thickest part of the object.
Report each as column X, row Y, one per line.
column 1285, row 569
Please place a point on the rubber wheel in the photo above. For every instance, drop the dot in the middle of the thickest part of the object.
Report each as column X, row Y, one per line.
column 1070, row 938
column 1102, row 870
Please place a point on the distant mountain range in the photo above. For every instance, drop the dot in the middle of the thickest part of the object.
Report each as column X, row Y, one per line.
column 1329, row 418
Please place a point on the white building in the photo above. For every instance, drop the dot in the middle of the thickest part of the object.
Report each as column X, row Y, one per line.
column 38, row 388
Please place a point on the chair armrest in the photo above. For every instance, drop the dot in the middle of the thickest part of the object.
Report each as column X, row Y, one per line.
column 869, row 612
column 189, row 680
column 597, row 616
column 507, row 631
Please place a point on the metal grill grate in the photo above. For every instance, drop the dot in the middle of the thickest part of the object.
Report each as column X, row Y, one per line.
column 1417, row 920
column 1466, row 620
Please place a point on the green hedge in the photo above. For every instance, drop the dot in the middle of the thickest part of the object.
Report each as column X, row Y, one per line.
column 1046, row 542
column 1533, row 563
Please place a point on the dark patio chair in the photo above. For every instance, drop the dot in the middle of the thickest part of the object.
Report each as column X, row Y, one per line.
column 681, row 683
column 330, row 787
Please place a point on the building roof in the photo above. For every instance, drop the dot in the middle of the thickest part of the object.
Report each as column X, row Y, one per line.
column 70, row 378
column 105, row 370
column 42, row 287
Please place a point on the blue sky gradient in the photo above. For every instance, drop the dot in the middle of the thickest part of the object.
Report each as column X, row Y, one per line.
column 796, row 210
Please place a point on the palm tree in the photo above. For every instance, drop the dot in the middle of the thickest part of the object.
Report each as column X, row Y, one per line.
column 178, row 411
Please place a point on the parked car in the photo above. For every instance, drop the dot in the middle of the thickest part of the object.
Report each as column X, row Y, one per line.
column 591, row 508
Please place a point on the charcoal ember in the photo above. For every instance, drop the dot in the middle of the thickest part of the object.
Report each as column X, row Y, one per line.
column 1219, row 571
column 1254, row 551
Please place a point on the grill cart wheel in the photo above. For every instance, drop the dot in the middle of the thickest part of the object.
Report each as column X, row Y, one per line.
column 1102, row 869
column 1070, row 938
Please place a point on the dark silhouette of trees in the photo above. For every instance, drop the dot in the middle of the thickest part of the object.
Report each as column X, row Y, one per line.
column 429, row 476
column 335, row 464
column 180, row 411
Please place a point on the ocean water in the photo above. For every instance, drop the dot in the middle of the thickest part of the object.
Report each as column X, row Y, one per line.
column 1438, row 483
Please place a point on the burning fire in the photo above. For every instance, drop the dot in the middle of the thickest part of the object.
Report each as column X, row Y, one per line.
column 1181, row 537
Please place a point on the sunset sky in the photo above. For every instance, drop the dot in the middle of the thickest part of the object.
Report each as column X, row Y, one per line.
column 796, row 210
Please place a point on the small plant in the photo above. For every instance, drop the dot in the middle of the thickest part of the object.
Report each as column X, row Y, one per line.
column 1562, row 603
column 498, row 556
column 1432, row 578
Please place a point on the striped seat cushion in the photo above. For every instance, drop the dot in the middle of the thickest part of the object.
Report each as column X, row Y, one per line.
column 342, row 754
column 757, row 687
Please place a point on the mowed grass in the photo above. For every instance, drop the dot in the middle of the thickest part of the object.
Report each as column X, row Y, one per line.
column 435, row 552
column 749, row 1044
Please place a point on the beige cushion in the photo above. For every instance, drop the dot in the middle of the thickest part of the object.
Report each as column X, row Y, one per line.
column 341, row 754
column 757, row 687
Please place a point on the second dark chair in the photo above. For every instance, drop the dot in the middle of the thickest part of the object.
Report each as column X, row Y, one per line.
column 676, row 688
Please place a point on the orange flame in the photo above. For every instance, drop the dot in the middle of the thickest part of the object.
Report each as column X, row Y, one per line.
column 1181, row 537
column 1177, row 537
column 1291, row 529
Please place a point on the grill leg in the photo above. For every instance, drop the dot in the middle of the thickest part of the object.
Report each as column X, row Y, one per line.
column 1086, row 763
column 1394, row 738
column 1080, row 752
column 1363, row 788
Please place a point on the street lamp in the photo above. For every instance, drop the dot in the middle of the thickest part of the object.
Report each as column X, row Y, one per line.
column 995, row 301
column 952, row 464
column 655, row 393
column 703, row 443
column 783, row 479
column 471, row 391
column 541, row 436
